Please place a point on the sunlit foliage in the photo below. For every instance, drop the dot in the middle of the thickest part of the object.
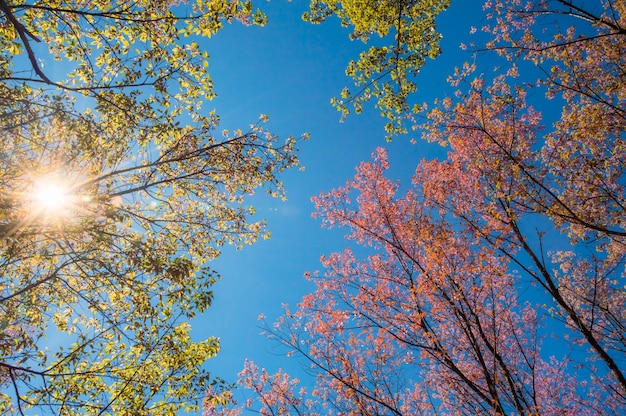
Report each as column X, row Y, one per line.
column 116, row 191
column 403, row 35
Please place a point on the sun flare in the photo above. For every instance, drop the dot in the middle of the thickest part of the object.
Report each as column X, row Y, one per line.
column 51, row 196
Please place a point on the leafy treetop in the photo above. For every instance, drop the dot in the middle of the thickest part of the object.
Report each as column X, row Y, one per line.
column 385, row 74
column 116, row 191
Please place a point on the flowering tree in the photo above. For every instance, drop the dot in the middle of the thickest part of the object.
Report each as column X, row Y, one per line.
column 517, row 236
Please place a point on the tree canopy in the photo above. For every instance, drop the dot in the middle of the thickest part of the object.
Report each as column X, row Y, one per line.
column 492, row 284
column 496, row 285
column 386, row 71
column 116, row 191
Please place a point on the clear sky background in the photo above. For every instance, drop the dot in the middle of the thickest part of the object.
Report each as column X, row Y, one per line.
column 290, row 69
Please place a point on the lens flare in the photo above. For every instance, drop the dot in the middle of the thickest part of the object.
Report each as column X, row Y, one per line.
column 51, row 196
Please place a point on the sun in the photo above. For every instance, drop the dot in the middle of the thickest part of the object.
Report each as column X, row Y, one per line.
column 51, row 196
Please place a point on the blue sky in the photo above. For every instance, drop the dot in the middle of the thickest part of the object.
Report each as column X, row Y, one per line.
column 290, row 69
